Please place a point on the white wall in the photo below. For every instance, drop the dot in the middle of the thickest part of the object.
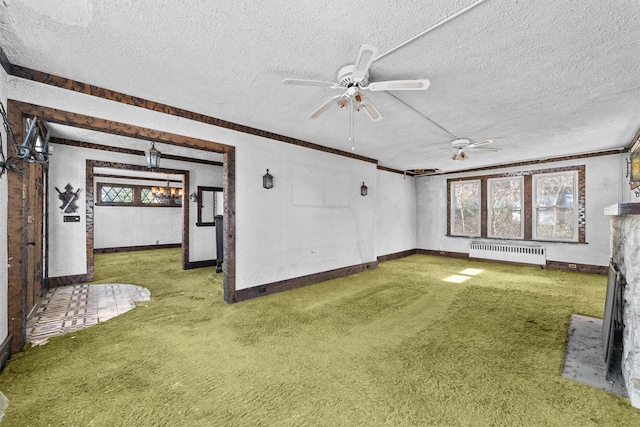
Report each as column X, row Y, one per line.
column 395, row 211
column 603, row 188
column 67, row 240
column 3, row 220
column 279, row 233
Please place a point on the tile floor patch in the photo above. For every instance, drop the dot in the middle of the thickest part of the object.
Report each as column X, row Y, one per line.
column 69, row 308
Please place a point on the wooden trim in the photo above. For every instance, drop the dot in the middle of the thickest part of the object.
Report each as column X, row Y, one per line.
column 528, row 204
column 396, row 255
column 584, row 268
column 229, row 225
column 538, row 162
column 298, row 282
column 64, row 83
column 122, row 150
column 137, row 195
column 91, row 203
column 136, row 248
column 200, row 264
column 55, row 282
column 384, row 168
column 201, row 189
column 462, row 255
column 6, row 64
column 82, row 121
column 5, row 351
column 16, row 294
column 134, row 178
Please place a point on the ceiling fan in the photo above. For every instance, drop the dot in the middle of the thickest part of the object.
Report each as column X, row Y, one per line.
column 352, row 80
column 461, row 144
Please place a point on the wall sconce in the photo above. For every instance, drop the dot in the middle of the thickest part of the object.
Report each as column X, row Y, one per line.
column 194, row 197
column 267, row 180
column 363, row 189
column 153, row 157
column 33, row 149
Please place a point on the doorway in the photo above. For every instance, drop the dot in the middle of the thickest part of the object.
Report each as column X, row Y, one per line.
column 18, row 209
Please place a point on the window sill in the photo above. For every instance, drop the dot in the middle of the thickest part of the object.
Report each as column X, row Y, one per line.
column 513, row 239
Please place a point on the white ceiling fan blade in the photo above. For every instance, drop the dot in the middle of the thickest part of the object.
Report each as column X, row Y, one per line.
column 486, row 149
column 400, row 85
column 323, row 107
column 363, row 62
column 479, row 143
column 370, row 109
column 309, row 83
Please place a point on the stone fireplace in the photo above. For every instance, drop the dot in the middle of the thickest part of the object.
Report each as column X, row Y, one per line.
column 625, row 255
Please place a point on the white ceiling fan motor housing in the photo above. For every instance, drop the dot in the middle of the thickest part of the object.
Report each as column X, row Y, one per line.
column 345, row 79
column 460, row 143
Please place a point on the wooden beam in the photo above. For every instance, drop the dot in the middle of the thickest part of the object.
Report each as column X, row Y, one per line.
column 87, row 89
column 94, row 146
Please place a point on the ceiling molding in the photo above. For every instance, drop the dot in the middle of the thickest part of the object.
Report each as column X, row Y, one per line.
column 87, row 89
column 384, row 168
column 634, row 144
column 6, row 64
column 540, row 161
column 122, row 150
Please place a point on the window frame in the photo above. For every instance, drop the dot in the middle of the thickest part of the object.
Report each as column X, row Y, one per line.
column 490, row 204
column 534, row 206
column 137, row 196
column 528, row 234
column 452, row 205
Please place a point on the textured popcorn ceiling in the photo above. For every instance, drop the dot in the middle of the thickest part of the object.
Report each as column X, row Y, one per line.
column 541, row 78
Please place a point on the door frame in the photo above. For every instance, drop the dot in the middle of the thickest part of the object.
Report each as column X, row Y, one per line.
column 17, row 111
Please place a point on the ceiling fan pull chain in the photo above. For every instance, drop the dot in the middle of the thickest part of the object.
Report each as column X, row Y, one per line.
column 351, row 137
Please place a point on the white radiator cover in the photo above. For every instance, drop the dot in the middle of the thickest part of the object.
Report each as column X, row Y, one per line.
column 508, row 252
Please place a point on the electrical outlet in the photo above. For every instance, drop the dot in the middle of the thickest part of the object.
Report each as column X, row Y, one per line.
column 572, row 266
column 262, row 289
column 157, row 242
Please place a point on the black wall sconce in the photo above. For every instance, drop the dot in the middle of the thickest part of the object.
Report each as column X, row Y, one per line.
column 267, row 180
column 153, row 157
column 194, row 197
column 363, row 189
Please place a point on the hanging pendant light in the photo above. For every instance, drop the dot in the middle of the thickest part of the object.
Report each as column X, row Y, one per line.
column 153, row 157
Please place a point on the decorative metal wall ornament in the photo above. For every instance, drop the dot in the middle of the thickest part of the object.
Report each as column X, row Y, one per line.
column 68, row 199
column 34, row 148
column 267, row 180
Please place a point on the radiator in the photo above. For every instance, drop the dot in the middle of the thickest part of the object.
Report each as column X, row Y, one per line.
column 511, row 253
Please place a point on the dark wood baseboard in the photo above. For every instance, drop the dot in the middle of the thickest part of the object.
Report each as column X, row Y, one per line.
column 55, row 282
column 555, row 265
column 584, row 268
column 5, row 351
column 200, row 264
column 135, row 248
column 396, row 255
column 298, row 282
column 442, row 253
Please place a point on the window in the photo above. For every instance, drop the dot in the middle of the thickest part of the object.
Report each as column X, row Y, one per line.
column 555, row 213
column 465, row 204
column 112, row 194
column 543, row 205
column 505, row 207
column 135, row 195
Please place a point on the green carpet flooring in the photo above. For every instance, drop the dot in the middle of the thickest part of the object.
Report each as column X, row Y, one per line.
column 395, row 346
